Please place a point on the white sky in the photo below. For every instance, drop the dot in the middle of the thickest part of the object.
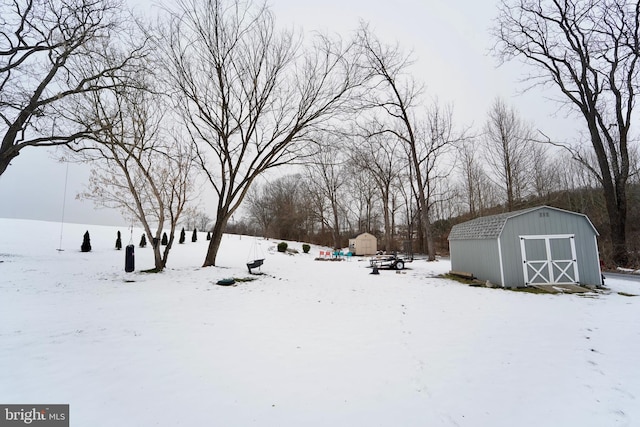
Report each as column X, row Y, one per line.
column 450, row 42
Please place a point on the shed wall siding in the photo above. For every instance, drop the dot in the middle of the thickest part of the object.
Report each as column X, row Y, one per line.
column 479, row 257
column 365, row 244
column 548, row 222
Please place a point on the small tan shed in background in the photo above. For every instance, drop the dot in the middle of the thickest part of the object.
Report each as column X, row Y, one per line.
column 364, row 244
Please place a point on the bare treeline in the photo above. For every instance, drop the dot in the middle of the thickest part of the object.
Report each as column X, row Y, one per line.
column 320, row 137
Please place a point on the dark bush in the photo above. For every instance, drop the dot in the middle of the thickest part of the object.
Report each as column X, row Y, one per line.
column 143, row 241
column 306, row 248
column 119, row 241
column 165, row 239
column 182, row 236
column 208, row 235
column 86, row 243
column 282, row 247
column 194, row 236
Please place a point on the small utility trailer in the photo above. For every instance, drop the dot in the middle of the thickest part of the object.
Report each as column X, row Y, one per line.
column 391, row 262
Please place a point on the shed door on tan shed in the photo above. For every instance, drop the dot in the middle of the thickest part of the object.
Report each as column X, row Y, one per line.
column 366, row 244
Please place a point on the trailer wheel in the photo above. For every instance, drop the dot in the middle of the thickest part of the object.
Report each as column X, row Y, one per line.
column 399, row 265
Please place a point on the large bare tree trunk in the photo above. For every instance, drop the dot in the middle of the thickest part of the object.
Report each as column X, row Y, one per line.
column 216, row 239
column 388, row 227
column 589, row 52
column 249, row 95
column 614, row 185
column 336, row 224
column 5, row 160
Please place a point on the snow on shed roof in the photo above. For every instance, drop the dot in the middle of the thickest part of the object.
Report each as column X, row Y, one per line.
column 490, row 227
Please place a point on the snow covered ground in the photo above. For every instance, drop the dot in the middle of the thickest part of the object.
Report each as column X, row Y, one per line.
column 309, row 343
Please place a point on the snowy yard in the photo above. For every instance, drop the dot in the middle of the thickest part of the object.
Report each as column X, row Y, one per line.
column 308, row 343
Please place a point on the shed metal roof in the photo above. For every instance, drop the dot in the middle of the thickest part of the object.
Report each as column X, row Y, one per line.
column 490, row 227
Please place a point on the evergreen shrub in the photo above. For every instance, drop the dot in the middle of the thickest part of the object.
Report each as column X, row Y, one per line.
column 86, row 243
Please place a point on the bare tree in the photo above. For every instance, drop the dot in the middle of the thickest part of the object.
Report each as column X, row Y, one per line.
column 438, row 137
column 52, row 51
column 507, row 143
column 194, row 217
column 327, row 177
column 363, row 199
column 319, row 216
column 574, row 175
column 576, row 183
column 588, row 50
column 138, row 166
column 405, row 201
column 259, row 208
column 477, row 188
column 382, row 156
column 634, row 168
column 277, row 206
column 249, row 94
column 288, row 207
column 396, row 94
column 544, row 173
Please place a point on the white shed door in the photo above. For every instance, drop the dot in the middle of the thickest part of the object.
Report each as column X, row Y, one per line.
column 549, row 259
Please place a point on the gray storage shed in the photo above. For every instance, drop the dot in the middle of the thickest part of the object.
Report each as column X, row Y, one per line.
column 541, row 245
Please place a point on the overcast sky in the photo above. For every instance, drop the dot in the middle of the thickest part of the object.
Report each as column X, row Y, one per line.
column 449, row 40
